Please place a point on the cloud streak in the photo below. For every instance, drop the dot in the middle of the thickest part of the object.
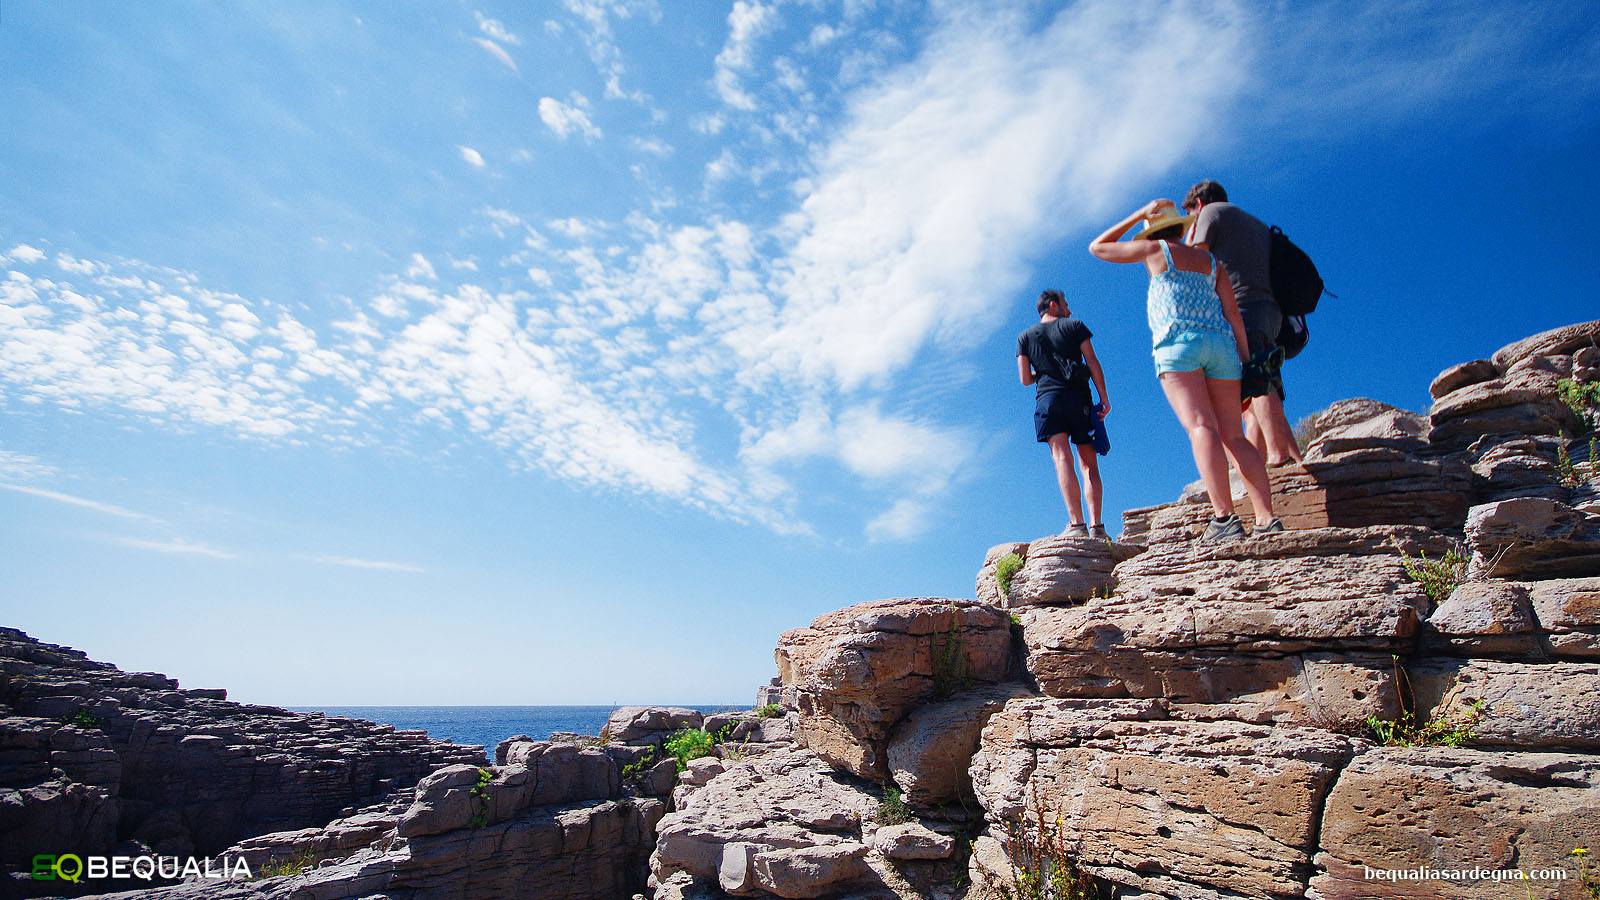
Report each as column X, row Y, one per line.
column 351, row 562
column 176, row 546
column 79, row 502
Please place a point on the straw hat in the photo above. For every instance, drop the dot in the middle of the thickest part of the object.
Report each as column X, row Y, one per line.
column 1166, row 218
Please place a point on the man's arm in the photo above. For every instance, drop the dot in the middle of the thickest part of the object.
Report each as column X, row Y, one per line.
column 1024, row 370
column 1200, row 231
column 1087, row 347
column 1230, row 311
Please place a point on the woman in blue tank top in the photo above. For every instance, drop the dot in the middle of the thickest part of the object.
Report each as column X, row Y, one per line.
column 1198, row 341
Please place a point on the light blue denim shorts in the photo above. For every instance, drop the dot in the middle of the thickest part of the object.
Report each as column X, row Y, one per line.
column 1212, row 352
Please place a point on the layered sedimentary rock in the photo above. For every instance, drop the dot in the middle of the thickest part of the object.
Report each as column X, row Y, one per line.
column 553, row 822
column 1055, row 569
column 858, row 671
column 91, row 756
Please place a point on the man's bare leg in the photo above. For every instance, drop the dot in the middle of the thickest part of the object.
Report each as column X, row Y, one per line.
column 1281, row 447
column 1061, row 455
column 1089, row 466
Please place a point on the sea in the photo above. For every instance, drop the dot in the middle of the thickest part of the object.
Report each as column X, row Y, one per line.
column 487, row 726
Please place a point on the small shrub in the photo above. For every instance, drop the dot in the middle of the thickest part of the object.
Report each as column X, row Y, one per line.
column 770, row 711
column 892, row 809
column 949, row 662
column 1583, row 399
column 1043, row 867
column 690, row 743
column 82, row 719
column 480, row 795
column 1448, row 731
column 639, row 766
column 291, row 865
column 1306, row 431
column 1437, row 577
column 1004, row 570
column 1588, row 873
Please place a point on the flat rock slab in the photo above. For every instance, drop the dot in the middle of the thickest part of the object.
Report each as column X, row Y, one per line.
column 1167, row 807
column 1403, row 809
column 1533, row 538
column 858, row 671
column 1553, row 706
column 1060, row 569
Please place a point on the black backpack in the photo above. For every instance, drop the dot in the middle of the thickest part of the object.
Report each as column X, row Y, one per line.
column 1295, row 282
column 1294, row 334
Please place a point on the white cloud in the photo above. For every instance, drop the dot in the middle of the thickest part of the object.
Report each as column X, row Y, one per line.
column 23, row 467
column 421, row 268
column 177, row 546
column 564, row 120
column 906, row 518
column 653, row 146
column 26, row 254
column 600, row 38
column 472, row 157
column 748, row 20
column 498, row 52
column 496, row 29
column 352, row 562
column 80, row 502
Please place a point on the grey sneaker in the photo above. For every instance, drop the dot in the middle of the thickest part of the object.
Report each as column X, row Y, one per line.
column 1221, row 531
column 1075, row 531
column 1275, row 526
column 1099, row 532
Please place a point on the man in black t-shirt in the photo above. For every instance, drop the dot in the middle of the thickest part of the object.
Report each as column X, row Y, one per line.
column 1057, row 357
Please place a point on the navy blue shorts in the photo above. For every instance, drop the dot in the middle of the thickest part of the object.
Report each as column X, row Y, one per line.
column 1063, row 412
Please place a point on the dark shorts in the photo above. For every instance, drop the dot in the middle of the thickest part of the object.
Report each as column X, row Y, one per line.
column 1261, row 326
column 1064, row 412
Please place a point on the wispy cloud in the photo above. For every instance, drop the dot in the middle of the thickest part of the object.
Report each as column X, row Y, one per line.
column 470, row 156
column 495, row 29
column 23, row 467
column 352, row 562
column 25, row 254
column 600, row 37
column 747, row 21
column 80, row 502
column 498, row 52
column 177, row 546
column 565, row 119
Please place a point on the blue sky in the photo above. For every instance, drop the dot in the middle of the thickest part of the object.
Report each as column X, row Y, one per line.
column 569, row 352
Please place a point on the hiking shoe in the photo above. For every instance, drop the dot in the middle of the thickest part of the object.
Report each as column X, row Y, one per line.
column 1275, row 526
column 1099, row 532
column 1075, row 531
column 1221, row 531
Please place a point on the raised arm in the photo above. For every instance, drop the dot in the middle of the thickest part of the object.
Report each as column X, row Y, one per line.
column 1024, row 370
column 1110, row 247
column 1230, row 309
column 1093, row 362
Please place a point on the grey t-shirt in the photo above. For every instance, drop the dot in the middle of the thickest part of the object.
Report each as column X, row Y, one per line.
column 1242, row 244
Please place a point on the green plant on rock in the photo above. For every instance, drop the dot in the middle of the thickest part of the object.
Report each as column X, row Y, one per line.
column 82, row 719
column 1588, row 873
column 289, row 865
column 688, row 744
column 480, row 796
column 1446, row 731
column 1043, row 865
column 1437, row 577
column 769, row 711
column 892, row 809
column 639, row 766
column 1582, row 398
column 1005, row 569
column 949, row 662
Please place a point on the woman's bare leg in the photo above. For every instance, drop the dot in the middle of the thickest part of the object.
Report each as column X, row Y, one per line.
column 1224, row 397
column 1190, row 400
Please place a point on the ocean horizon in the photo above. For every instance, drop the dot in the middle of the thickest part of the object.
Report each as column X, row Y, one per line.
column 487, row 726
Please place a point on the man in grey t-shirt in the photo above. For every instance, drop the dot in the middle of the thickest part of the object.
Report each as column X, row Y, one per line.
column 1244, row 245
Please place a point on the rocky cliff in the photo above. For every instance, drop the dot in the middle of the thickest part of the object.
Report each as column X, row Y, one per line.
column 1408, row 679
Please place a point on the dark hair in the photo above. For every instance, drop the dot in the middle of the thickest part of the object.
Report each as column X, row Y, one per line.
column 1169, row 233
column 1048, row 297
column 1207, row 191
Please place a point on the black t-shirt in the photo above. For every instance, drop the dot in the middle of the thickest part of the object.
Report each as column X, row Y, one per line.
column 1047, row 345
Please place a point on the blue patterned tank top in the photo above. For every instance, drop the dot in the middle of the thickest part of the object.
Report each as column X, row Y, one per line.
column 1182, row 301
